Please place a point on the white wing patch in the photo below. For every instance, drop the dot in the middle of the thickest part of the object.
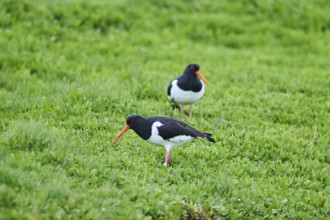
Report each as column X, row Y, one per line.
column 155, row 138
column 181, row 139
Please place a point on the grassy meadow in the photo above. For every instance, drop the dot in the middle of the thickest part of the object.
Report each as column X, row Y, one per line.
column 72, row 71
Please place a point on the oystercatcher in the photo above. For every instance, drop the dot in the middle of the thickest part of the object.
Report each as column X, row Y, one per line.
column 187, row 88
column 163, row 131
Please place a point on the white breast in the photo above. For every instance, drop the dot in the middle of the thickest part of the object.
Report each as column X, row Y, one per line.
column 185, row 97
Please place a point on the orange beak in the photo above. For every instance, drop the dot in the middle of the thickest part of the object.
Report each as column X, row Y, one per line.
column 200, row 75
column 121, row 134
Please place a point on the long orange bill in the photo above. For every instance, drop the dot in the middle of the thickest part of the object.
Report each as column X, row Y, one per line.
column 200, row 75
column 121, row 134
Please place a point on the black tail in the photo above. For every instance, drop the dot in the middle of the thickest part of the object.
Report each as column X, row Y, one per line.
column 209, row 137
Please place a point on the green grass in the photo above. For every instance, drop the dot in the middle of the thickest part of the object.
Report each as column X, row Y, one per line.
column 71, row 71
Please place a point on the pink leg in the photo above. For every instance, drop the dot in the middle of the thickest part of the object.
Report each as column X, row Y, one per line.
column 181, row 110
column 167, row 158
column 190, row 111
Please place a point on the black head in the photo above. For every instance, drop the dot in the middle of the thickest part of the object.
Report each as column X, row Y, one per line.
column 193, row 67
column 193, row 70
column 133, row 120
column 137, row 123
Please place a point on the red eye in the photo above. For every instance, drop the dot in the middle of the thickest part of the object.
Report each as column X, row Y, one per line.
column 132, row 120
column 192, row 67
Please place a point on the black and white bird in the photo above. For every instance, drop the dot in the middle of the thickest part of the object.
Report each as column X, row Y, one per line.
column 187, row 88
column 162, row 131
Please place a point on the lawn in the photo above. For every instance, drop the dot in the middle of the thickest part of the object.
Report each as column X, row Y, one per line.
column 72, row 71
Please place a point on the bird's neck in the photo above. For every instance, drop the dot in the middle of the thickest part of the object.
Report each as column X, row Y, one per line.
column 188, row 77
column 190, row 81
column 143, row 129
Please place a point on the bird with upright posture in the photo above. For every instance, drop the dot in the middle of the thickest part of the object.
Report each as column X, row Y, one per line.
column 162, row 131
column 187, row 88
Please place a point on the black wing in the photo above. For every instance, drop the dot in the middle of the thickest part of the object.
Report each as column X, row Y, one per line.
column 172, row 128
